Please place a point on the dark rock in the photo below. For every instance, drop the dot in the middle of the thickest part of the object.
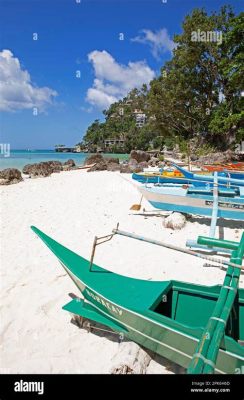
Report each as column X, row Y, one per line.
column 153, row 161
column 193, row 157
column 101, row 166
column 94, row 158
column 218, row 158
column 56, row 166
column 36, row 170
column 9, row 176
column 125, row 169
column 139, row 155
column 113, row 167
column 70, row 163
column 112, row 160
column 129, row 169
column 27, row 168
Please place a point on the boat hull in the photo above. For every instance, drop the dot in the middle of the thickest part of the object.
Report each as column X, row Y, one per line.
column 154, row 314
column 164, row 338
column 189, row 204
column 150, row 178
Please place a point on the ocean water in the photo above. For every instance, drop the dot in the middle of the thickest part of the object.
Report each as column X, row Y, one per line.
column 19, row 158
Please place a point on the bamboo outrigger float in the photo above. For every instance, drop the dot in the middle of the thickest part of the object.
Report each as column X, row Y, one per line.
column 198, row 327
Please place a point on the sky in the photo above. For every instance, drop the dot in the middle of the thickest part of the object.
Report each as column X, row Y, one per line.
column 64, row 61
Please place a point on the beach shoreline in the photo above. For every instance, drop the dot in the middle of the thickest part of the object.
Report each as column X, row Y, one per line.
column 73, row 207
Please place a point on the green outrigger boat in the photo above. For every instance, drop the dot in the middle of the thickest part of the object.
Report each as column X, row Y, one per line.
column 198, row 327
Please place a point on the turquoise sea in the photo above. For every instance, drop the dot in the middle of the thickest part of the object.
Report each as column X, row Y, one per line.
column 19, row 158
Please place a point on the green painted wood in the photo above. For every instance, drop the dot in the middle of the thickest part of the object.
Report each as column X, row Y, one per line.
column 80, row 307
column 132, row 304
column 209, row 241
column 213, row 349
column 207, row 349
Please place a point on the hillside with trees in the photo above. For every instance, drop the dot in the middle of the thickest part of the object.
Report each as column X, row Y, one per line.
column 197, row 97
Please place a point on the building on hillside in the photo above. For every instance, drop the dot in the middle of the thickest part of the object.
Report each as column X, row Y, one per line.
column 108, row 143
column 140, row 117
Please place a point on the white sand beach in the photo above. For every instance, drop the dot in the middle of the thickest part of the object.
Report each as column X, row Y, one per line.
column 36, row 335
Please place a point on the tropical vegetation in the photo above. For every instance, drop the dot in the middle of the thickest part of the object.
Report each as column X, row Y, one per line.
column 198, row 96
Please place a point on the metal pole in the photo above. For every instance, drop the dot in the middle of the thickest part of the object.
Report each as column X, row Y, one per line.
column 172, row 247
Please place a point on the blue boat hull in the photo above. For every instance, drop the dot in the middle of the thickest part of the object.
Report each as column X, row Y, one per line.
column 198, row 210
column 178, row 199
column 159, row 179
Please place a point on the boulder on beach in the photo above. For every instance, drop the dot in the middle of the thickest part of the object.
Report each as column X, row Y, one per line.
column 94, row 158
column 175, row 221
column 139, row 155
column 153, row 161
column 100, row 166
column 129, row 169
column 56, row 166
column 9, row 176
column 113, row 167
column 219, row 158
column 70, row 162
column 68, row 165
column 36, row 170
column 112, row 160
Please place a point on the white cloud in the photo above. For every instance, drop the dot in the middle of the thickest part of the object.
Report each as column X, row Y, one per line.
column 113, row 80
column 16, row 89
column 159, row 41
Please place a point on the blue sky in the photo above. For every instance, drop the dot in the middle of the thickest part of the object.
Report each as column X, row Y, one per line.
column 41, row 74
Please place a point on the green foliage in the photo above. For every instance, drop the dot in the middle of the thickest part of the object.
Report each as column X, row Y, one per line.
column 196, row 95
column 204, row 150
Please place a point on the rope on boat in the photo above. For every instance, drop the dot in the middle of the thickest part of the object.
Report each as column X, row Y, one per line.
column 177, row 248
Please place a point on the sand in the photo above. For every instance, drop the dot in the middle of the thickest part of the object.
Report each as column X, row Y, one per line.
column 36, row 335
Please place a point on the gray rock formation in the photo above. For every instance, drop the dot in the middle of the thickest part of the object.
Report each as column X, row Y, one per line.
column 94, row 158
column 139, row 155
column 9, row 176
column 70, row 163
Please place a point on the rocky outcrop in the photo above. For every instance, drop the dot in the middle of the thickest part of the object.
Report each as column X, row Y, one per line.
column 113, row 166
column 153, row 161
column 175, row 221
column 101, row 166
column 219, row 158
column 94, row 158
column 56, row 166
column 9, row 176
column 112, row 160
column 45, row 168
column 36, row 170
column 70, row 163
column 139, row 155
column 129, row 169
